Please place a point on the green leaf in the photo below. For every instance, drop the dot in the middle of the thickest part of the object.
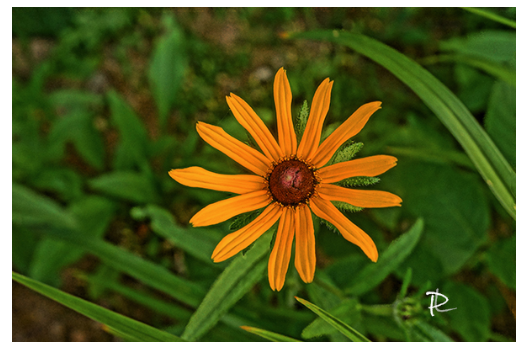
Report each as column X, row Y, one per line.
column 300, row 122
column 199, row 243
column 32, row 209
column 124, row 325
column 488, row 160
column 346, row 152
column 167, row 68
column 347, row 311
column 131, row 186
column 373, row 274
column 246, row 270
column 491, row 45
column 456, row 213
column 472, row 316
column 269, row 335
column 501, row 261
column 430, row 332
column 132, row 149
column 147, row 272
column 500, row 119
column 343, row 328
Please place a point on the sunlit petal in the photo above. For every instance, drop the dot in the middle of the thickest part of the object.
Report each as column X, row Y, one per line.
column 327, row 211
column 201, row 178
column 280, row 255
column 348, row 129
column 240, row 239
column 254, row 125
column 225, row 209
column 357, row 197
column 312, row 134
column 283, row 100
column 304, row 244
column 236, row 150
column 361, row 167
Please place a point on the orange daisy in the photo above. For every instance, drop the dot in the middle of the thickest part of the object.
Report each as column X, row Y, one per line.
column 291, row 181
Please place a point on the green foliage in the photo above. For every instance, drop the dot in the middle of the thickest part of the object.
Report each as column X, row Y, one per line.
column 105, row 102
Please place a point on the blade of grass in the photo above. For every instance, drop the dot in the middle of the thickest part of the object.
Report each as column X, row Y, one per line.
column 373, row 274
column 491, row 16
column 125, row 326
column 342, row 327
column 269, row 335
column 488, row 160
column 145, row 271
column 229, row 287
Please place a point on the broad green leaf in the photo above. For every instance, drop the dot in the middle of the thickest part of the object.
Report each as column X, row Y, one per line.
column 269, row 335
column 131, row 186
column 32, row 209
column 456, row 215
column 147, row 272
column 501, row 261
column 124, row 325
column 488, row 160
column 167, row 68
column 246, row 270
column 343, row 328
column 199, row 243
column 500, row 119
column 373, row 274
column 65, row 182
column 132, row 149
column 472, row 316
column 491, row 45
column 93, row 214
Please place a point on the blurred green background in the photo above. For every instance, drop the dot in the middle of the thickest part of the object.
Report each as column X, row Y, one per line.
column 105, row 103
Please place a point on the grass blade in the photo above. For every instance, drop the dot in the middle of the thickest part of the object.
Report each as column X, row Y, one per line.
column 342, row 327
column 269, row 335
column 373, row 274
column 130, row 328
column 229, row 287
column 488, row 160
column 491, row 16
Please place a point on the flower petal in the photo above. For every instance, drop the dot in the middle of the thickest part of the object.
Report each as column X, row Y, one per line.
column 281, row 253
column 236, row 150
column 349, row 128
column 360, row 198
column 254, row 125
column 361, row 167
column 327, row 211
column 304, row 243
column 200, row 178
column 312, row 134
column 283, row 100
column 240, row 239
column 225, row 209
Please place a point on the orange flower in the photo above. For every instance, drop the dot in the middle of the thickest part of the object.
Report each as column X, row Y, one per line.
column 290, row 181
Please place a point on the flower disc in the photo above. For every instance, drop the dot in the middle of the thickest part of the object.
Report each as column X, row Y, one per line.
column 291, row 182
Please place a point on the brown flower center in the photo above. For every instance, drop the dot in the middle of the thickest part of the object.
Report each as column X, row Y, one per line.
column 292, row 182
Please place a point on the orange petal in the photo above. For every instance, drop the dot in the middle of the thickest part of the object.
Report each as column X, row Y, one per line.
column 361, row 167
column 304, row 243
column 360, row 198
column 201, row 178
column 348, row 129
column 283, row 100
column 225, row 209
column 254, row 125
column 236, row 150
column 240, row 239
column 281, row 253
column 327, row 211
column 312, row 134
